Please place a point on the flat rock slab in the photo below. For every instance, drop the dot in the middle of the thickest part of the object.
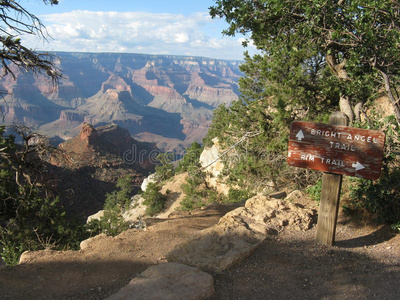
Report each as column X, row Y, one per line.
column 166, row 281
column 239, row 233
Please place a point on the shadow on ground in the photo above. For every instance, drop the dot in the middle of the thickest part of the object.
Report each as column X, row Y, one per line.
column 300, row 269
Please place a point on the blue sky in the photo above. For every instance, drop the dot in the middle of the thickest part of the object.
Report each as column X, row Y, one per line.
column 176, row 27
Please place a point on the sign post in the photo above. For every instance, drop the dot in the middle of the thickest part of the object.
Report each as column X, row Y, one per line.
column 336, row 150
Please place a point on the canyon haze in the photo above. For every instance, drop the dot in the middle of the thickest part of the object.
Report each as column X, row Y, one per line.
column 167, row 100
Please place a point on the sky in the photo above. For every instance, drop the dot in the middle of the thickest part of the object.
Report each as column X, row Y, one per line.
column 174, row 27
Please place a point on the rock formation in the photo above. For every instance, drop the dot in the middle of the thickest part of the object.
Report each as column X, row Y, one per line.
column 163, row 99
column 239, row 232
column 168, row 281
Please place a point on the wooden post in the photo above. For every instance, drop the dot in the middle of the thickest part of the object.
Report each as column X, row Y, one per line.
column 330, row 196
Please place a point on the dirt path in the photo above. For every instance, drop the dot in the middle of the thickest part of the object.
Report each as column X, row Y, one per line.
column 365, row 264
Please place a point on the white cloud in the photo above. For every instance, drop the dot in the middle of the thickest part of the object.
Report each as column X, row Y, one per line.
column 150, row 33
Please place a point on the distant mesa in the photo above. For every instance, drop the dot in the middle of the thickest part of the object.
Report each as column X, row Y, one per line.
column 108, row 146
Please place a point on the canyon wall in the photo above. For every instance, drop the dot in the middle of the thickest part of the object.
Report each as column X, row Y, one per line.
column 163, row 99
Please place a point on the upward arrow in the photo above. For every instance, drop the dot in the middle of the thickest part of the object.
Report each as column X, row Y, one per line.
column 300, row 135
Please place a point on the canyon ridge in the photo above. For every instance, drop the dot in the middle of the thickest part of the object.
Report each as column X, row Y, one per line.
column 167, row 100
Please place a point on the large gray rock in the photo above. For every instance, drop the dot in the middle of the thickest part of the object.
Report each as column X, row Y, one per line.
column 239, row 232
column 169, row 281
column 210, row 160
column 147, row 180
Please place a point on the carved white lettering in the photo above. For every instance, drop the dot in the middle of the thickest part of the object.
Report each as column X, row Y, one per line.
column 332, row 162
column 307, row 157
column 339, row 146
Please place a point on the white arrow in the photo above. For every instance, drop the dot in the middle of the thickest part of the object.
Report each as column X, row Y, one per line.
column 358, row 166
column 300, row 135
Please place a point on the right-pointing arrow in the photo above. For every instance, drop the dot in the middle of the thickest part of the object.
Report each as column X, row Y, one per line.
column 358, row 166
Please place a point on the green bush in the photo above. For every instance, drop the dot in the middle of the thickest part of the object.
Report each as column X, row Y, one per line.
column 235, row 195
column 37, row 224
column 314, row 191
column 381, row 197
column 112, row 223
column 191, row 159
column 165, row 169
column 154, row 200
column 198, row 193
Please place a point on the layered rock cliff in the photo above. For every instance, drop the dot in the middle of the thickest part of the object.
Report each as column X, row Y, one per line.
column 163, row 99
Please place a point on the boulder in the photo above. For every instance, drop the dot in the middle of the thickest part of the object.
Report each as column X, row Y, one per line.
column 85, row 244
column 95, row 216
column 239, row 232
column 168, row 281
column 147, row 180
column 213, row 166
column 209, row 159
column 136, row 210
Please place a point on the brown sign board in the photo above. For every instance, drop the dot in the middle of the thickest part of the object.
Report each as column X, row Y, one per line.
column 336, row 149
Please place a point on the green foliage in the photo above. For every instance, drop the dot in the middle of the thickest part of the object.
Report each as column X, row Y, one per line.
column 165, row 169
column 29, row 221
column 121, row 199
column 154, row 200
column 33, row 223
column 112, row 223
column 381, row 197
column 235, row 195
column 346, row 49
column 190, row 160
column 314, row 191
column 198, row 193
column 16, row 20
column 195, row 191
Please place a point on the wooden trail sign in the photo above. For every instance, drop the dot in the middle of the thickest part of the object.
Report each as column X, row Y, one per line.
column 336, row 149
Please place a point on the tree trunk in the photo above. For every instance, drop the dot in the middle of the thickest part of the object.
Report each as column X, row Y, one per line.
column 345, row 107
column 339, row 69
column 357, row 110
column 395, row 102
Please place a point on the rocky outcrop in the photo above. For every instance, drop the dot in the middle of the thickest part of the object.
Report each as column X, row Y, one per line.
column 211, row 161
column 239, row 233
column 147, row 180
column 108, row 146
column 168, row 281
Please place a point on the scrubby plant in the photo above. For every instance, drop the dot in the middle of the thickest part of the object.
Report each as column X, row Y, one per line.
column 198, row 193
column 314, row 191
column 191, row 159
column 30, row 219
column 381, row 197
column 165, row 168
column 117, row 202
column 154, row 199
column 34, row 223
column 239, row 195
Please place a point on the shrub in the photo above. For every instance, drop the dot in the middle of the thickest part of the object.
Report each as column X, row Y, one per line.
column 314, row 191
column 235, row 195
column 190, row 160
column 112, row 223
column 198, row 193
column 381, row 197
column 165, row 169
column 37, row 224
column 154, row 200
